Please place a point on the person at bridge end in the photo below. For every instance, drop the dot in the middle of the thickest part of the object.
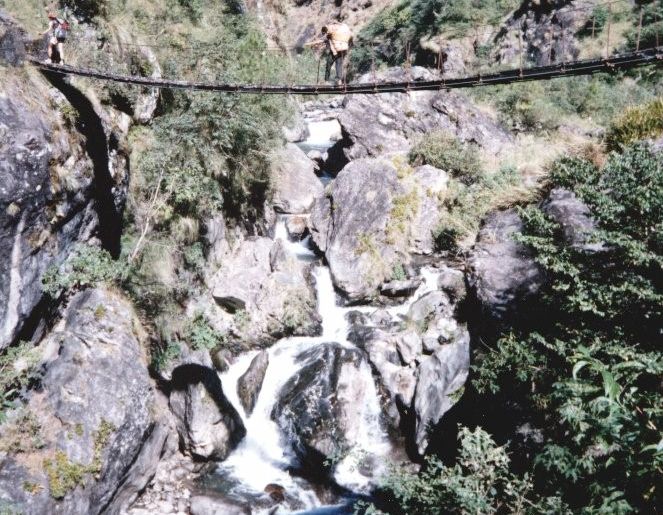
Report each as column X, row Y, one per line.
column 337, row 37
column 57, row 31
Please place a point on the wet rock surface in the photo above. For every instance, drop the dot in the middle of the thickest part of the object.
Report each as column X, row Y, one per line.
column 248, row 386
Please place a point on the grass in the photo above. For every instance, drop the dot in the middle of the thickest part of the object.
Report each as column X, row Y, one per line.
column 445, row 151
column 636, row 123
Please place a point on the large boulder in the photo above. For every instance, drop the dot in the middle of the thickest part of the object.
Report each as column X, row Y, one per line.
column 294, row 183
column 90, row 438
column 375, row 125
column 322, row 409
column 63, row 179
column 250, row 383
column 361, row 226
column 574, row 217
column 430, row 184
column 267, row 290
column 503, row 275
column 440, row 377
column 207, row 422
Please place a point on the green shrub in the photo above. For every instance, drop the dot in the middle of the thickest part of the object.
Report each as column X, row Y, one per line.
column 163, row 356
column 87, row 9
column 480, row 482
column 443, row 150
column 637, row 123
column 16, row 370
column 85, row 266
column 199, row 334
column 586, row 371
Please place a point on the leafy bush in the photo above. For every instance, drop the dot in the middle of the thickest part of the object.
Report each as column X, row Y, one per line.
column 588, row 371
column 479, row 482
column 637, row 123
column 443, row 150
column 16, row 369
column 87, row 9
column 201, row 335
column 85, row 266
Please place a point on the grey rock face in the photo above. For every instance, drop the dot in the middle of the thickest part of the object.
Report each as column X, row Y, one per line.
column 271, row 287
column 249, row 385
column 294, row 182
column 503, row 274
column 206, row 505
column 440, row 376
column 95, row 412
column 320, row 407
column 61, row 182
column 402, row 288
column 353, row 226
column 574, row 216
column 375, row 125
column 207, row 422
column 429, row 184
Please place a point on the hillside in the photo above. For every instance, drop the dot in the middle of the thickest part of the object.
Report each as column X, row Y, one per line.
column 413, row 302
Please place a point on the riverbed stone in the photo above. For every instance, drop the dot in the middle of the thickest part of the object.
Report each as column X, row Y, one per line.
column 294, row 183
column 250, row 383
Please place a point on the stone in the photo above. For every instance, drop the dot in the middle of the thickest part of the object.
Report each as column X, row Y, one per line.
column 296, row 226
column 388, row 124
column 95, row 411
column 409, row 346
column 575, row 218
column 270, row 288
column 249, row 384
column 404, row 288
column 430, row 184
column 452, row 282
column 364, row 245
column 503, row 275
column 320, row 408
column 440, row 376
column 207, row 422
column 294, row 183
column 207, row 505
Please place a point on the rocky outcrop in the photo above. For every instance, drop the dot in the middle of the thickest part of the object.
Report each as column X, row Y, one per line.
column 266, row 291
column 207, row 422
column 359, row 228
column 375, row 125
column 421, row 359
column 430, row 185
column 321, row 407
column 574, row 217
column 249, row 384
column 549, row 28
column 90, row 438
column 63, row 178
column 294, row 183
column 502, row 273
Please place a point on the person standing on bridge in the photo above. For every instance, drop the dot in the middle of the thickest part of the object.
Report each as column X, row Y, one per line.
column 337, row 37
column 57, row 31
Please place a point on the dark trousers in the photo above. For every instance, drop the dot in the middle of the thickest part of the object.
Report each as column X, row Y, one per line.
column 339, row 61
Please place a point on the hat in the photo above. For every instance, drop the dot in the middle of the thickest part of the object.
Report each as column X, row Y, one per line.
column 52, row 16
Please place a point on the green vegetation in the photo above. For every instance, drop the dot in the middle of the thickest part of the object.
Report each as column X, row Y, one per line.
column 65, row 475
column 199, row 334
column 86, row 266
column 465, row 205
column 445, row 151
column 16, row 370
column 22, row 434
column 584, row 377
column 637, row 123
column 480, row 482
column 165, row 354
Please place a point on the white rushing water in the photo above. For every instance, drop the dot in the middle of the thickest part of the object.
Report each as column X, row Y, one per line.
column 263, row 456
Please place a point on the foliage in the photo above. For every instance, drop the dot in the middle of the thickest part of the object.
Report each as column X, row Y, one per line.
column 596, row 23
column 443, row 150
column 636, row 123
column 16, row 370
column 652, row 26
column 588, row 371
column 87, row 9
column 63, row 475
column 201, row 335
column 162, row 356
column 464, row 206
column 479, row 482
column 85, row 266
